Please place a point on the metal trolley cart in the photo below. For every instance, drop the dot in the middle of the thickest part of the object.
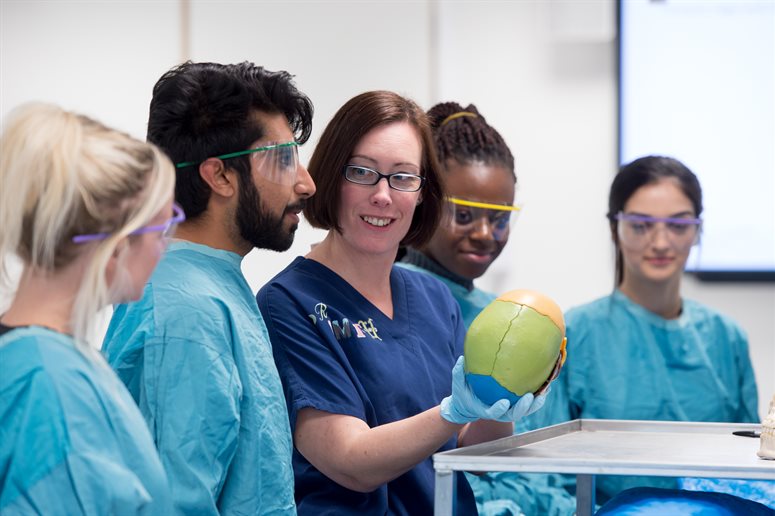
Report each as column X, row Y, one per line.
column 589, row 447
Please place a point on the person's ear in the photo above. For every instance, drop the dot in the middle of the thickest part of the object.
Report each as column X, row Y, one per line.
column 111, row 267
column 419, row 199
column 222, row 181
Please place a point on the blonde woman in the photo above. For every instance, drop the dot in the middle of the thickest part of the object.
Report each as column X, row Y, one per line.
column 87, row 210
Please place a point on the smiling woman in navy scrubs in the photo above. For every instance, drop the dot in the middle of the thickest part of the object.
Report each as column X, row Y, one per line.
column 365, row 349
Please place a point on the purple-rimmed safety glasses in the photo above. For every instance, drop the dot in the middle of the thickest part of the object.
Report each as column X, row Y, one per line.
column 636, row 231
column 167, row 229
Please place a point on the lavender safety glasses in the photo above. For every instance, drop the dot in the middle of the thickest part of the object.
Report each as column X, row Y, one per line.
column 167, row 229
column 637, row 231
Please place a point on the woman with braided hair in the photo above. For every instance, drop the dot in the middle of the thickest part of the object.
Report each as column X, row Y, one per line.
column 480, row 187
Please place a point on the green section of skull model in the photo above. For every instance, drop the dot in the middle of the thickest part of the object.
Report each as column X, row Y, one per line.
column 514, row 344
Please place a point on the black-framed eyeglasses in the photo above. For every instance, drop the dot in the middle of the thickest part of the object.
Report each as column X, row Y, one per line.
column 401, row 181
column 167, row 229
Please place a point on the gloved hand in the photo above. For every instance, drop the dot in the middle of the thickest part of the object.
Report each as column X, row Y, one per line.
column 464, row 407
column 538, row 401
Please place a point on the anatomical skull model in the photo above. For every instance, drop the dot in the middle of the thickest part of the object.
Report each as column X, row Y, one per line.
column 767, row 446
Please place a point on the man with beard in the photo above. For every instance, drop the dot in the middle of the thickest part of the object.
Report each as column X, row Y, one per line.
column 194, row 352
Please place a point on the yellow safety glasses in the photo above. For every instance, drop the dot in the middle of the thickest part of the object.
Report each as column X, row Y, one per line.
column 467, row 216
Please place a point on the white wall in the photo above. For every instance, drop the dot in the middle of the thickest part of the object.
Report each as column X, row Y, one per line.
column 336, row 49
column 98, row 57
column 541, row 71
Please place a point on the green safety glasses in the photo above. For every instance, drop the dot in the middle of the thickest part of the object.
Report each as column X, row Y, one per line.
column 277, row 162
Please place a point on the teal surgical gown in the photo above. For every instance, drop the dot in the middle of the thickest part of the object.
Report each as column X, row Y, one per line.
column 71, row 439
column 471, row 301
column 625, row 362
column 500, row 494
column 195, row 355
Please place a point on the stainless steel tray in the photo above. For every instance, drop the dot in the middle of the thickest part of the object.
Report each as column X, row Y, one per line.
column 587, row 447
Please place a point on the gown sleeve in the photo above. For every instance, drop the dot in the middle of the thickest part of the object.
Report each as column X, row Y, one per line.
column 66, row 459
column 315, row 371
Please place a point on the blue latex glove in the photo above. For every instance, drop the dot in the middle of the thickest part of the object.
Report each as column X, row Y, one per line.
column 538, row 401
column 464, row 407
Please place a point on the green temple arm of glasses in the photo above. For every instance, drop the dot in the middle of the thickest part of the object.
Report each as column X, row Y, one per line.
column 475, row 204
column 241, row 153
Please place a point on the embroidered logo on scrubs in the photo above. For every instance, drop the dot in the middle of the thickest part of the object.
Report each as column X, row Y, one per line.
column 368, row 327
column 344, row 329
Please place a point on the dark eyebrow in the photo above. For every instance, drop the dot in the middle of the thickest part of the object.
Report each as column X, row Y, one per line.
column 372, row 160
column 682, row 215
column 679, row 215
column 364, row 157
